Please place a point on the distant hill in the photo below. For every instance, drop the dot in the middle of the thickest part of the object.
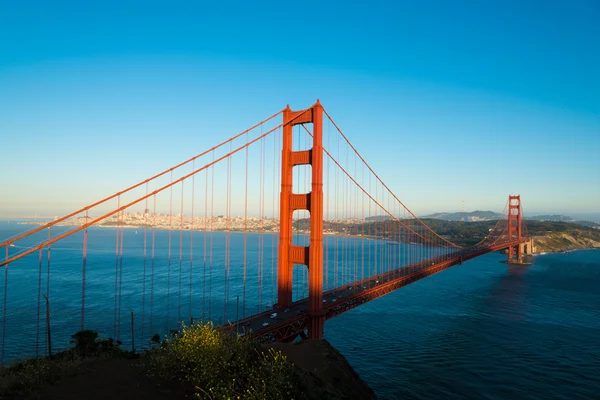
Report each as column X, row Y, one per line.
column 553, row 217
column 471, row 216
column 476, row 216
column 378, row 218
column 562, row 218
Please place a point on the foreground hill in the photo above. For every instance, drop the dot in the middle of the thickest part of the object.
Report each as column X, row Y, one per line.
column 199, row 362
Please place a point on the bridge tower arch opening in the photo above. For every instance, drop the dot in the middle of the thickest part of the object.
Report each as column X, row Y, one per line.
column 514, row 228
column 289, row 254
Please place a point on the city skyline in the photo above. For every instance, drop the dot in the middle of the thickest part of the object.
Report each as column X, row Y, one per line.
column 94, row 101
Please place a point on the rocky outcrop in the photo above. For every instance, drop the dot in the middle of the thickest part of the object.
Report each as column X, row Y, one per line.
column 562, row 241
column 325, row 371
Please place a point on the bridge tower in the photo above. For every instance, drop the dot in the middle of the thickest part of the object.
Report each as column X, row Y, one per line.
column 289, row 254
column 514, row 227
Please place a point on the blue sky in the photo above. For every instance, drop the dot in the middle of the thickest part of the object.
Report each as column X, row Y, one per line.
column 448, row 101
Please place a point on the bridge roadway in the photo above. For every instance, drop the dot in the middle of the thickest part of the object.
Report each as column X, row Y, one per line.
column 291, row 322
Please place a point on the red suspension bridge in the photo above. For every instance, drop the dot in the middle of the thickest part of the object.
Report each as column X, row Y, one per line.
column 270, row 233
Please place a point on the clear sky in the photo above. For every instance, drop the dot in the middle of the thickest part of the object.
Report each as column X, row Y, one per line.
column 447, row 100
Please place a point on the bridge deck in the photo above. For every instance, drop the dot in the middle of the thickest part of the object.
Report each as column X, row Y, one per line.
column 291, row 322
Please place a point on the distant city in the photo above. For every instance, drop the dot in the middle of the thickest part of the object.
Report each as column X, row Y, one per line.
column 213, row 223
column 256, row 224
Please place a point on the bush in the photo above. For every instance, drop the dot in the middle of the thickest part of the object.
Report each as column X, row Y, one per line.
column 87, row 345
column 25, row 377
column 216, row 365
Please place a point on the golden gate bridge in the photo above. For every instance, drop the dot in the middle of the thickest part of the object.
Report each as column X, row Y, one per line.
column 287, row 212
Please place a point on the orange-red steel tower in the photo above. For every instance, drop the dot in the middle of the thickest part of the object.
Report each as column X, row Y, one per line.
column 289, row 254
column 514, row 226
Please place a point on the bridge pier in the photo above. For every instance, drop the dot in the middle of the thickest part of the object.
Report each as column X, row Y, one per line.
column 527, row 248
column 514, row 231
column 289, row 254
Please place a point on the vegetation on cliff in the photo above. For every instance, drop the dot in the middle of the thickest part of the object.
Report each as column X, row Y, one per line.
column 27, row 377
column 198, row 360
column 215, row 365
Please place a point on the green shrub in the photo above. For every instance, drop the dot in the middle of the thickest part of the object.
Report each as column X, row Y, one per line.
column 215, row 365
column 87, row 345
column 25, row 377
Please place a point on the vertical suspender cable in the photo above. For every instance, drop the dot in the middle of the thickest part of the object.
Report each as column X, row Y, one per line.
column 205, row 243
column 152, row 266
column 362, row 228
column 4, row 304
column 259, row 246
column 145, row 216
column 327, row 216
column 120, row 283
column 274, row 190
column 83, row 273
column 192, row 243
column 39, row 298
column 343, row 205
column 369, row 233
column 180, row 255
column 355, row 240
column 210, row 248
column 262, row 217
column 337, row 217
column 227, row 238
column 169, row 256
column 116, row 268
column 48, row 255
column 245, row 234
column 152, row 262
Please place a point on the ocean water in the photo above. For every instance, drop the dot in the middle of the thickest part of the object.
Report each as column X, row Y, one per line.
column 481, row 330
column 183, row 277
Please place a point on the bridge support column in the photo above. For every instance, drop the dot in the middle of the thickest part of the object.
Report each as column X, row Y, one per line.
column 514, row 228
column 527, row 247
column 289, row 254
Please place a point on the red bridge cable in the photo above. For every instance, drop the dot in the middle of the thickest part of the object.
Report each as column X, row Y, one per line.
column 375, row 201
column 388, row 189
column 140, row 199
column 493, row 229
column 52, row 223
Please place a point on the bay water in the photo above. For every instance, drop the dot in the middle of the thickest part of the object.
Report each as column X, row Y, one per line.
column 480, row 330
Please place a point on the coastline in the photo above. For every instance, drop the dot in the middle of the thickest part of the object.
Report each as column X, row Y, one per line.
column 552, row 242
column 200, row 229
